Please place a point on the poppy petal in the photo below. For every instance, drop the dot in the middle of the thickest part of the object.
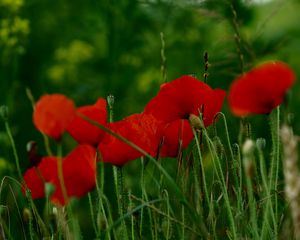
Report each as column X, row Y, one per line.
column 36, row 177
column 79, row 170
column 83, row 131
column 184, row 96
column 140, row 129
column 176, row 136
column 52, row 114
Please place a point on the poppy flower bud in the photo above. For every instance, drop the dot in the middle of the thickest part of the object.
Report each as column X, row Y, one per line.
column 248, row 149
column 26, row 215
column 49, row 189
column 196, row 122
column 4, row 112
column 33, row 156
column 261, row 143
column 110, row 101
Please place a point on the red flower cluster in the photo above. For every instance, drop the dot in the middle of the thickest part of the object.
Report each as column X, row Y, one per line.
column 163, row 130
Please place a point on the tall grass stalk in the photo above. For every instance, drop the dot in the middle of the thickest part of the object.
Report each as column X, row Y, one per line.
column 13, row 146
column 220, row 175
column 145, row 196
column 268, row 213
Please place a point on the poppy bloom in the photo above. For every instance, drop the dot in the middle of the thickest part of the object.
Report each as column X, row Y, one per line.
column 185, row 96
column 52, row 114
column 79, row 171
column 260, row 90
column 141, row 129
column 178, row 100
column 85, row 132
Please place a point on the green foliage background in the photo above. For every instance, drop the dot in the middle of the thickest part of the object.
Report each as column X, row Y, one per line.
column 89, row 49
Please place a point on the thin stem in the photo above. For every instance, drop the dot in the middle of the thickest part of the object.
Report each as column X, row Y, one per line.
column 132, row 218
column 145, row 196
column 183, row 222
column 268, row 209
column 168, row 213
column 61, row 174
column 118, row 189
column 202, row 170
column 206, row 64
column 163, row 67
column 273, row 184
column 45, row 138
column 237, row 37
column 13, row 145
column 92, row 213
column 248, row 161
column 235, row 165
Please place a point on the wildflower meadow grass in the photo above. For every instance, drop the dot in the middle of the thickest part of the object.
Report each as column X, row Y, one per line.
column 197, row 158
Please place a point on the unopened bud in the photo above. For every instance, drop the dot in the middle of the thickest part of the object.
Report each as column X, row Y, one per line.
column 54, row 211
column 4, row 112
column 101, row 221
column 196, row 122
column 219, row 146
column 110, row 101
column 248, row 147
column 260, row 143
column 33, row 156
column 26, row 215
column 49, row 189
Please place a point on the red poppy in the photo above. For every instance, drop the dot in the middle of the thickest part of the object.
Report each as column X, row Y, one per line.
column 36, row 176
column 184, row 96
column 140, row 129
column 52, row 114
column 260, row 90
column 174, row 104
column 79, row 171
column 85, row 132
column 176, row 136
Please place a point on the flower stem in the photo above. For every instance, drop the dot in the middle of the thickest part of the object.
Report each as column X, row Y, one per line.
column 275, row 122
column 60, row 173
column 13, row 145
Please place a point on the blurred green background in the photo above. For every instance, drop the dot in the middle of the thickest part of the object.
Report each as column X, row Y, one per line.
column 89, row 49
